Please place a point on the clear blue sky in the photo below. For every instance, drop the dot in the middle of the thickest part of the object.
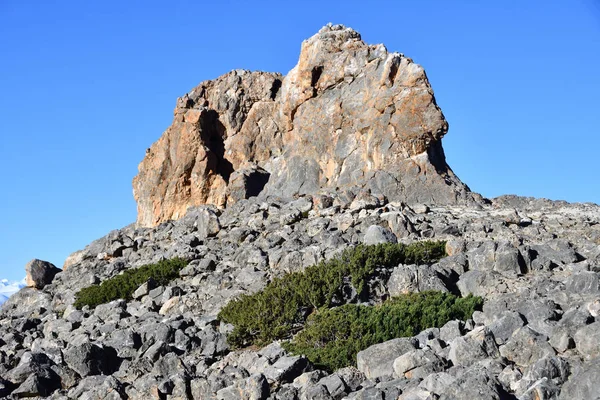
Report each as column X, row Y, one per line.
column 87, row 86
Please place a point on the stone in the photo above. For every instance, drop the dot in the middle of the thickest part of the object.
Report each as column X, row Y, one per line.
column 335, row 386
column 587, row 340
column 36, row 385
column 352, row 377
column 98, row 387
column 377, row 234
column 414, row 278
column 526, row 346
column 451, row 330
column 348, row 114
column 39, row 273
column 583, row 384
column 594, row 308
column 417, row 364
column 503, row 328
column 90, row 359
column 245, row 183
column 474, row 346
column 169, row 305
column 286, row 368
column 378, row 360
column 585, row 282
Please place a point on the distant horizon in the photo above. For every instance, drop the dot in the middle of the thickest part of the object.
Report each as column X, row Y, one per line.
column 89, row 87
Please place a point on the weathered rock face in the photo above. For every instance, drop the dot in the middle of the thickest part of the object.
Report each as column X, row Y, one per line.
column 349, row 115
column 39, row 273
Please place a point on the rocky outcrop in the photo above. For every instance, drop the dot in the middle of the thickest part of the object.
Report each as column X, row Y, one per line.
column 348, row 115
column 39, row 273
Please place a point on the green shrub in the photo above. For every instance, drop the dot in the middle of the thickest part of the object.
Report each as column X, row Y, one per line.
column 281, row 308
column 332, row 337
column 122, row 286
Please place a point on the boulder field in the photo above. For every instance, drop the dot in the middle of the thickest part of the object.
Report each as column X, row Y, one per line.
column 262, row 175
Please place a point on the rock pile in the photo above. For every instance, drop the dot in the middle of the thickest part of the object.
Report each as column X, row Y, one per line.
column 347, row 115
column 535, row 262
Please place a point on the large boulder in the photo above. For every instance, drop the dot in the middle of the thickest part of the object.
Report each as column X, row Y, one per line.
column 347, row 115
column 39, row 273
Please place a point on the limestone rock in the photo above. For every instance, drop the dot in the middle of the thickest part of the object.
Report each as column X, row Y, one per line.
column 347, row 115
column 39, row 273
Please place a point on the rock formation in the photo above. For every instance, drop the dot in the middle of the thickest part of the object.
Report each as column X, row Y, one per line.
column 39, row 273
column 349, row 115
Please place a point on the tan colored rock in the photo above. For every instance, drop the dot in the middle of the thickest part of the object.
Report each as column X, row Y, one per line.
column 74, row 258
column 348, row 114
column 39, row 273
column 169, row 305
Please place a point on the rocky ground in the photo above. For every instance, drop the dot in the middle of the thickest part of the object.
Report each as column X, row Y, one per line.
column 535, row 262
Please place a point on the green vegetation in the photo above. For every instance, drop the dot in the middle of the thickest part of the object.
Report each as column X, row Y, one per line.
column 122, row 286
column 332, row 337
column 283, row 306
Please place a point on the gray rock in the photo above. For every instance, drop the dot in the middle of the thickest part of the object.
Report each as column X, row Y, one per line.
column 474, row 383
column 503, row 328
column 475, row 346
column 144, row 289
column 377, row 234
column 89, row 359
column 412, row 278
column 40, row 273
column 286, row 369
column 587, row 340
column 583, row 384
column 552, row 368
column 476, row 282
column 352, row 377
column 543, row 389
column 451, row 330
column 417, row 364
column 585, row 282
column 378, row 360
column 98, row 387
column 437, row 382
column 526, row 346
column 335, row 386
column 37, row 385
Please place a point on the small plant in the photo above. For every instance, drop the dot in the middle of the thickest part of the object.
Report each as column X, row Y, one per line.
column 332, row 337
column 122, row 286
column 281, row 308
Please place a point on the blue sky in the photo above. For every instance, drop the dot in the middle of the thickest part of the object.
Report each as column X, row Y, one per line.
column 87, row 86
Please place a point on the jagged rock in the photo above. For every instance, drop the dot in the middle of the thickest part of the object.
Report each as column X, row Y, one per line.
column 286, row 369
column 377, row 234
column 583, row 384
column 98, row 387
column 587, row 340
column 417, row 364
column 90, row 359
column 378, row 127
column 526, row 346
column 39, row 273
column 378, row 360
column 474, row 346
